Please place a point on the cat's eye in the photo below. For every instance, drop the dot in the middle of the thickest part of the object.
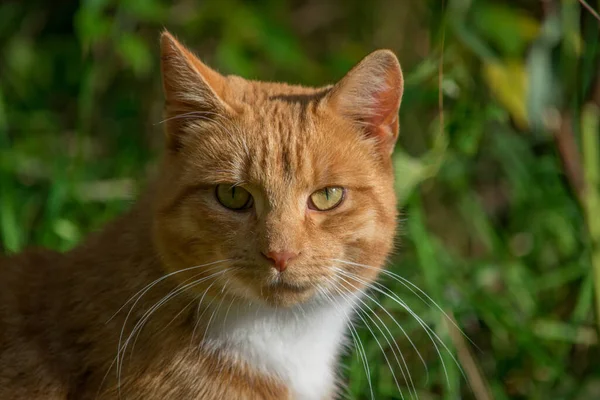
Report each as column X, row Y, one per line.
column 327, row 198
column 234, row 197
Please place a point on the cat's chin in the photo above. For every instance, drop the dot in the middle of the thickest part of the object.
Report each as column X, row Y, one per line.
column 274, row 294
column 282, row 294
column 276, row 291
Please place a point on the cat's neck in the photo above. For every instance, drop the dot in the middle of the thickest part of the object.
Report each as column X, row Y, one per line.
column 299, row 345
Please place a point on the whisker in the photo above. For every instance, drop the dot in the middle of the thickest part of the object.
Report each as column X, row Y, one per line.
column 360, row 312
column 143, row 292
column 355, row 338
column 407, row 377
column 433, row 336
column 122, row 349
column 179, row 289
column 212, row 315
column 190, row 114
column 138, row 327
column 177, row 315
column 139, row 295
column 430, row 333
column 104, row 378
column 198, row 315
column 406, row 283
column 227, row 312
column 389, row 332
column 370, row 286
column 151, row 284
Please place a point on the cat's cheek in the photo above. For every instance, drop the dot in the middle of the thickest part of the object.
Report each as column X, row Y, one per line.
column 188, row 235
column 368, row 240
column 238, row 288
column 369, row 226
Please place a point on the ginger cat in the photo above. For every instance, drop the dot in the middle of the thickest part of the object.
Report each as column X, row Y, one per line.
column 235, row 273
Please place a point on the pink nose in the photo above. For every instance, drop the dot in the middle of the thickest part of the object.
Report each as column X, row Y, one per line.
column 280, row 259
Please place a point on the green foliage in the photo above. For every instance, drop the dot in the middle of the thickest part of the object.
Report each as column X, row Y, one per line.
column 499, row 191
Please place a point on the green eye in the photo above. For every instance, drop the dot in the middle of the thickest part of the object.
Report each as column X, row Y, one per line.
column 327, row 198
column 234, row 197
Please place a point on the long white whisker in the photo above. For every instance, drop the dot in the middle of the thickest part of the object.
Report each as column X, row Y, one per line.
column 193, row 277
column 180, row 289
column 433, row 336
column 175, row 317
column 141, row 293
column 198, row 315
column 147, row 315
column 407, row 377
column 213, row 315
column 355, row 337
column 408, row 284
column 153, row 283
column 104, row 378
column 227, row 312
column 360, row 312
column 370, row 286
column 138, row 297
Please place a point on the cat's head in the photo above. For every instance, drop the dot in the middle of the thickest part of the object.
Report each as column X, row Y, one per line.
column 292, row 186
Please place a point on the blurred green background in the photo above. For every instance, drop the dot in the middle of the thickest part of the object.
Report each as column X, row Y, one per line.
column 501, row 208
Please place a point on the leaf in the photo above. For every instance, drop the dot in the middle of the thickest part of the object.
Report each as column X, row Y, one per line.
column 409, row 172
column 508, row 83
column 20, row 56
column 543, row 88
column 508, row 29
column 147, row 10
column 91, row 26
column 135, row 52
column 67, row 230
column 11, row 235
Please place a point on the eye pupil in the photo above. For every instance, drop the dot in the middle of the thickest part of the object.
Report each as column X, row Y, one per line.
column 233, row 198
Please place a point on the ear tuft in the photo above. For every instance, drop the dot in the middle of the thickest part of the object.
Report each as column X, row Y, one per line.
column 370, row 95
column 189, row 84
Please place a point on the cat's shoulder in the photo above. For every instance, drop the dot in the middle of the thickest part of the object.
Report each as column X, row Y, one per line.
column 24, row 371
column 23, row 275
column 29, row 255
column 36, row 258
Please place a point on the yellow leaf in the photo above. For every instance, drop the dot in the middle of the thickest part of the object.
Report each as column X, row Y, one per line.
column 528, row 27
column 508, row 83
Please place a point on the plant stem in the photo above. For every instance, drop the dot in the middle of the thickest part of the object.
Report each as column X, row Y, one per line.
column 590, row 122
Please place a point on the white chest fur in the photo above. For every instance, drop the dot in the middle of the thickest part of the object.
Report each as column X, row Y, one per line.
column 298, row 346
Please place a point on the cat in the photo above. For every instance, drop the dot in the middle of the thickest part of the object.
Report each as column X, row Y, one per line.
column 235, row 273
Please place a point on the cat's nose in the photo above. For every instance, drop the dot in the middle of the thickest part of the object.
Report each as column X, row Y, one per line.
column 280, row 259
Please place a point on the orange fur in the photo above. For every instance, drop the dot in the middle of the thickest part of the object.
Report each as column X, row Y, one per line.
column 281, row 143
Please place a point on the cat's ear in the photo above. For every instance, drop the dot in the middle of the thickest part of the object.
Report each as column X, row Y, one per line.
column 189, row 84
column 370, row 95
